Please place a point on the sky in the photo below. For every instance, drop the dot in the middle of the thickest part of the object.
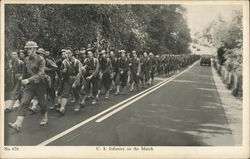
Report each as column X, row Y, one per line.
column 200, row 16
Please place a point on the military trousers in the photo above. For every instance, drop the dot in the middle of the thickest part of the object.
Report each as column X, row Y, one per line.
column 94, row 82
column 30, row 91
column 68, row 89
column 106, row 80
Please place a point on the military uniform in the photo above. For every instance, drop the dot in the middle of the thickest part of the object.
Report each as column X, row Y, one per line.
column 105, row 71
column 135, row 67
column 153, row 65
column 50, row 70
column 16, row 68
column 145, row 70
column 72, row 75
column 122, row 71
column 34, row 72
column 92, row 69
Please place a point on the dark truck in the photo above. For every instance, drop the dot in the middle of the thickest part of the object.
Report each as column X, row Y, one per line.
column 205, row 60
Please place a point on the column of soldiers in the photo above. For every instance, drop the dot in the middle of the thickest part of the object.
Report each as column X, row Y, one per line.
column 80, row 75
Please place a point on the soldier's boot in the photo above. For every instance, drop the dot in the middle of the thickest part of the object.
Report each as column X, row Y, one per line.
column 111, row 86
column 17, row 125
column 44, row 120
column 58, row 103
column 152, row 82
column 117, row 90
column 93, row 101
column 132, row 87
column 33, row 106
column 83, row 101
column 137, row 87
column 98, row 93
column 63, row 105
column 73, row 100
column 10, row 107
column 91, row 92
column 107, row 94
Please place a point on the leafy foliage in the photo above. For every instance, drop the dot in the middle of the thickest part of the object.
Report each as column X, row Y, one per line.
column 157, row 28
column 228, row 34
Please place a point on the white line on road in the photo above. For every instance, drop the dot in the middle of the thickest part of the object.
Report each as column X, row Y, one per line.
column 143, row 95
column 46, row 142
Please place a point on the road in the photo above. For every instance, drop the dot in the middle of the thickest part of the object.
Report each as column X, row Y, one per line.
column 181, row 111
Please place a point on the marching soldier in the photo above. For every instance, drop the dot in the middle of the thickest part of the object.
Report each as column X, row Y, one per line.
column 72, row 75
column 91, row 65
column 122, row 72
column 113, row 60
column 105, row 72
column 34, row 82
column 145, row 69
column 135, row 67
column 82, row 54
column 167, row 65
column 16, row 67
column 153, row 65
column 62, row 64
column 50, row 70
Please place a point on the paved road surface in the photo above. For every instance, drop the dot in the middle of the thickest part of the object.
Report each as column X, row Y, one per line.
column 186, row 111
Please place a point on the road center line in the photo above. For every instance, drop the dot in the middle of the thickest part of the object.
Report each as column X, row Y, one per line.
column 143, row 95
column 46, row 142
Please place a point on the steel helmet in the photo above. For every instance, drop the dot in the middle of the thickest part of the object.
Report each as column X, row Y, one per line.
column 41, row 51
column 31, row 44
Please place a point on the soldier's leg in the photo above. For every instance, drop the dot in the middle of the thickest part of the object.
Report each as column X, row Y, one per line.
column 40, row 91
column 142, row 78
column 132, row 81
column 136, row 80
column 106, row 79
column 14, row 95
column 117, row 83
column 76, row 92
column 85, row 90
column 100, row 84
column 152, row 76
column 124, row 81
column 94, row 82
column 112, row 87
column 59, row 94
column 147, row 76
column 65, row 95
column 28, row 94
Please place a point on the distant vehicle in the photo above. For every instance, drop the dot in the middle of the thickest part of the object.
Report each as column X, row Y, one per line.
column 198, row 49
column 205, row 59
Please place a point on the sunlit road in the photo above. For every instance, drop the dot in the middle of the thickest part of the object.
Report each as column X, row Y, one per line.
column 185, row 111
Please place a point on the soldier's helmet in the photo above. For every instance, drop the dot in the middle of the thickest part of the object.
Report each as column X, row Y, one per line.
column 41, row 51
column 21, row 51
column 123, row 51
column 31, row 44
column 103, row 52
column 63, row 50
column 151, row 54
column 133, row 52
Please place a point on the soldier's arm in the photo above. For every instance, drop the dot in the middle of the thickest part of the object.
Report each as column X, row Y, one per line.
column 52, row 66
column 96, row 68
column 22, row 70
column 139, row 66
column 79, row 75
column 40, row 74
